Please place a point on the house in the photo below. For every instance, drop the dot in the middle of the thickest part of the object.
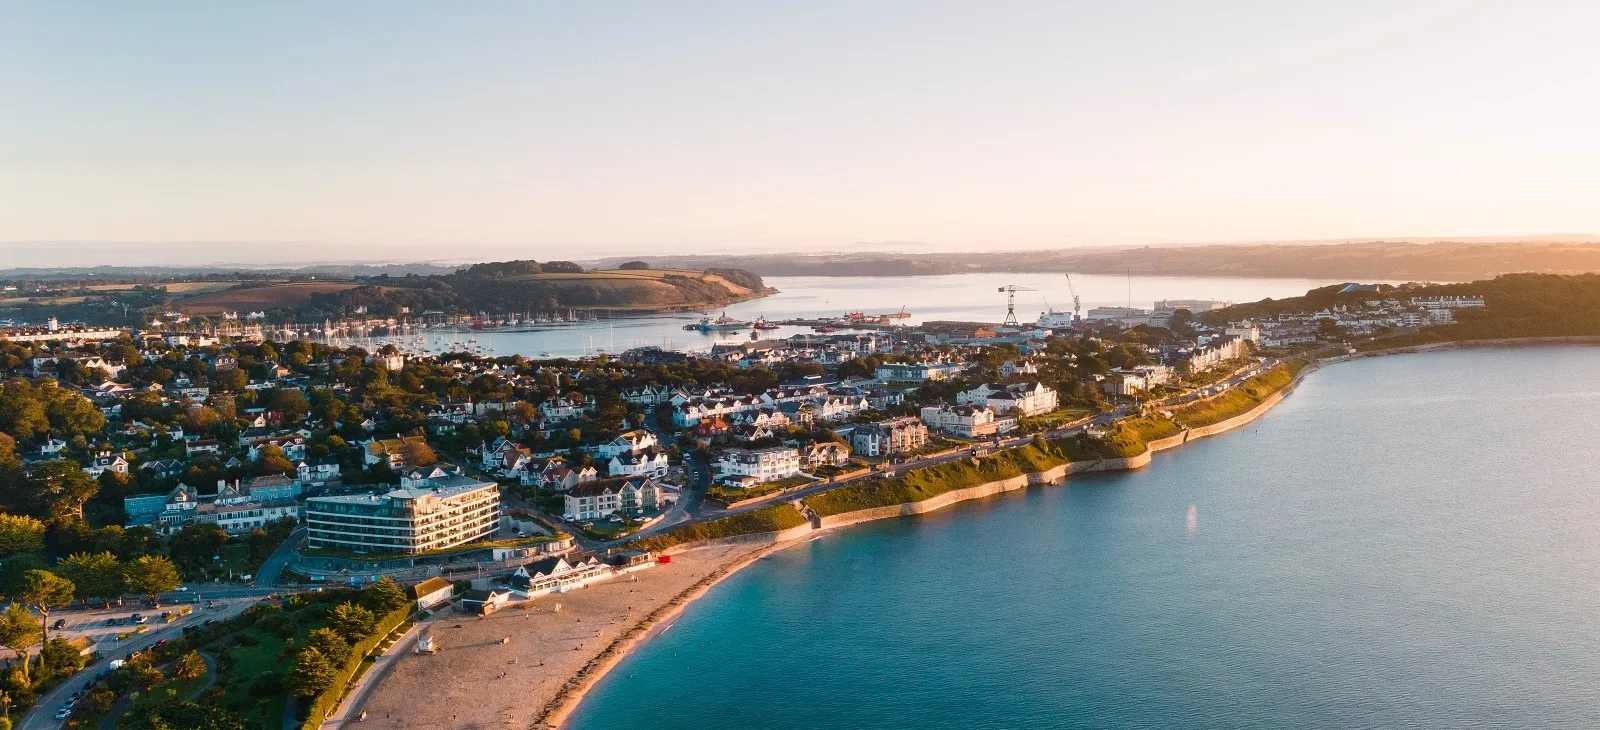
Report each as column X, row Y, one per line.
column 556, row 575
column 162, row 513
column 106, row 461
column 603, row 497
column 1011, row 368
column 432, row 592
column 238, row 511
column 893, row 436
column 648, row 395
column 504, row 455
column 563, row 409
column 651, row 461
column 396, row 451
column 632, row 441
column 201, row 446
column 1212, row 354
column 164, row 468
column 392, row 362
column 824, row 453
column 1023, row 399
column 484, row 601
column 765, row 465
column 965, row 421
column 317, row 472
column 557, row 476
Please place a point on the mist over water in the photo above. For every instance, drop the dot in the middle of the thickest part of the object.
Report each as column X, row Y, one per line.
column 1404, row 542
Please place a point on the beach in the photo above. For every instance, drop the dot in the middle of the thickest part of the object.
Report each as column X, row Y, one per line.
column 552, row 656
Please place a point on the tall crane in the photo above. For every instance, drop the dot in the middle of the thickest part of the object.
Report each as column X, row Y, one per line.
column 1077, row 306
column 1010, row 290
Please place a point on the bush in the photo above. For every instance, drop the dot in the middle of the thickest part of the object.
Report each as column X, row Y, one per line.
column 269, row 684
column 1240, row 399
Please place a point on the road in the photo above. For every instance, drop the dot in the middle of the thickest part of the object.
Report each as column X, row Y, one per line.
column 93, row 625
column 269, row 572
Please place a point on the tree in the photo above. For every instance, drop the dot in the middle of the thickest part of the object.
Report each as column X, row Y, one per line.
column 634, row 266
column 417, row 453
column 274, row 461
column 312, row 673
column 95, row 575
column 189, row 666
column 353, row 622
column 330, row 643
column 57, row 491
column 151, row 575
column 20, row 534
column 384, row 596
column 291, row 403
column 194, row 546
column 19, row 631
column 43, row 591
column 60, row 657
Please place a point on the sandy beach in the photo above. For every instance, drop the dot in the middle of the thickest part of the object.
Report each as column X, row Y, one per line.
column 552, row 658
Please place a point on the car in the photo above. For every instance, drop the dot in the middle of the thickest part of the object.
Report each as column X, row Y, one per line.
column 60, row 623
column 183, row 589
column 65, row 713
column 140, row 619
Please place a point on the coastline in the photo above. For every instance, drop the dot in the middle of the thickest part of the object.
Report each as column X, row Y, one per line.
column 560, row 708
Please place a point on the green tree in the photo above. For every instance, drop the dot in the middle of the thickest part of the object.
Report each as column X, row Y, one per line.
column 57, row 491
column 151, row 576
column 312, row 673
column 44, row 591
column 20, row 534
column 195, row 545
column 291, row 403
column 95, row 575
column 59, row 657
column 384, row 596
column 189, row 666
column 330, row 643
column 19, row 631
column 353, row 622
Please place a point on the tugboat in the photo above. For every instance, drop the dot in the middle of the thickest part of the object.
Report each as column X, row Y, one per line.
column 763, row 324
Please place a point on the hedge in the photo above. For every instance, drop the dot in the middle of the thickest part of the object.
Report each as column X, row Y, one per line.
column 328, row 700
column 767, row 519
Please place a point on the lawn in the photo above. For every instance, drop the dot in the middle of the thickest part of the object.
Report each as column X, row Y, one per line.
column 252, row 662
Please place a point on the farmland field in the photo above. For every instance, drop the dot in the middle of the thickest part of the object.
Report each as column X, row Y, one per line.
column 260, row 298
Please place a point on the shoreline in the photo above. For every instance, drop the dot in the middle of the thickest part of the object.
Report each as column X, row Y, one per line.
column 561, row 707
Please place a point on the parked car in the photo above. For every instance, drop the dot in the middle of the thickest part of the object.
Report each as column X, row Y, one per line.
column 140, row 618
column 60, row 623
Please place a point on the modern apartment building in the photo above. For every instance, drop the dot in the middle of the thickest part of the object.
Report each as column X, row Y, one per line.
column 434, row 513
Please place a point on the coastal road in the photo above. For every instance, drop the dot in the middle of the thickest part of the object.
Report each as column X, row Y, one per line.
column 93, row 625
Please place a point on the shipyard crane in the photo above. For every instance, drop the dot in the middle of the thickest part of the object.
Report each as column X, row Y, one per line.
column 1010, row 290
column 1077, row 307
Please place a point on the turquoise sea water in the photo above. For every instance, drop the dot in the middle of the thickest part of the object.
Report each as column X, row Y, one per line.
column 1409, row 541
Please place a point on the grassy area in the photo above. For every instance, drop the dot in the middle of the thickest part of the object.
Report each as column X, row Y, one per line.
column 832, row 470
column 728, row 495
column 767, row 519
column 1240, row 399
column 255, row 656
column 916, row 485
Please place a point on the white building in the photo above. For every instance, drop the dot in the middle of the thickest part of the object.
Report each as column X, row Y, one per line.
column 893, row 436
column 431, row 514
column 604, row 497
column 1023, row 399
column 648, row 462
column 765, row 465
column 966, row 421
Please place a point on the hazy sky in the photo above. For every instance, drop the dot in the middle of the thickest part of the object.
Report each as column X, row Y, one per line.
column 476, row 130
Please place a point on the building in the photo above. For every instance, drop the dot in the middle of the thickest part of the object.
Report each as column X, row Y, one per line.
column 1244, row 331
column 1139, row 379
column 604, row 497
column 648, row 462
column 765, row 465
column 432, row 592
column 1023, row 399
column 434, row 513
column 238, row 511
column 484, row 601
column 630, row 442
column 1212, row 354
column 921, row 372
column 824, row 453
column 396, row 452
column 893, row 436
column 966, row 421
column 556, row 575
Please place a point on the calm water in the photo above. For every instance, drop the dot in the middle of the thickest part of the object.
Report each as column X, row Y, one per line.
column 1405, row 542
column 971, row 297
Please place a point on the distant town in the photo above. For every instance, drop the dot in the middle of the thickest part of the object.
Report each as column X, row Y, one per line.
column 200, row 466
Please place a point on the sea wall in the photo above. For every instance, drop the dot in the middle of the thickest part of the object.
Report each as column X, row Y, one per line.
column 754, row 540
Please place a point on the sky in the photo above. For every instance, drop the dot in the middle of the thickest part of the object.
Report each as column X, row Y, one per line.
column 194, row 132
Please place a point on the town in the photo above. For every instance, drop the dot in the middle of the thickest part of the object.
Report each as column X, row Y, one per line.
column 207, row 467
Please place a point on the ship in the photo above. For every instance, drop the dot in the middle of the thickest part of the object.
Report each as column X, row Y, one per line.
column 1052, row 319
column 721, row 324
column 763, row 324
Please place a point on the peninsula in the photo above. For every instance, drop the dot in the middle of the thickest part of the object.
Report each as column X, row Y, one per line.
column 585, row 502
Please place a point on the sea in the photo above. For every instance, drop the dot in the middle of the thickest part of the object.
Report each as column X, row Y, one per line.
column 1404, row 542
column 964, row 297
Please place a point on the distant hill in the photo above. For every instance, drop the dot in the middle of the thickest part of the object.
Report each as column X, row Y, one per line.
column 1363, row 260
